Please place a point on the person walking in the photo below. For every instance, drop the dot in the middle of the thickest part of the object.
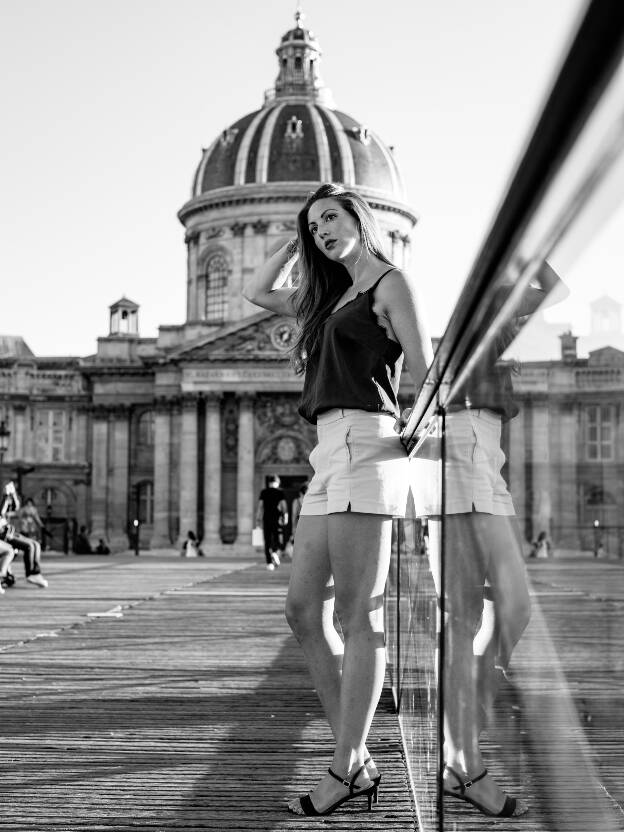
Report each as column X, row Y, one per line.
column 358, row 316
column 272, row 515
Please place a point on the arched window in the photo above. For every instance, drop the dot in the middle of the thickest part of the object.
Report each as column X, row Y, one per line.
column 145, row 502
column 145, row 428
column 217, row 273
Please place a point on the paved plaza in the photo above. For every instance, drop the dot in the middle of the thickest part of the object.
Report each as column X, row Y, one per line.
column 162, row 693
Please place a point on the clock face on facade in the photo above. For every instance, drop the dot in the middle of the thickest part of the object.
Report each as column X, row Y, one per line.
column 283, row 336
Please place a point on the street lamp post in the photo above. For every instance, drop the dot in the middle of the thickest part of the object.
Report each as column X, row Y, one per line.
column 137, row 526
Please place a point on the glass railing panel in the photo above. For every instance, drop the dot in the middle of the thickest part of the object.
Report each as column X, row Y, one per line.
column 413, row 625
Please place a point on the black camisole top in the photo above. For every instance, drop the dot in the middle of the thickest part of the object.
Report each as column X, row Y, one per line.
column 355, row 365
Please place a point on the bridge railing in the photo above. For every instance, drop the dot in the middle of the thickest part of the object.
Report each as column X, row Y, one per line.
column 560, row 454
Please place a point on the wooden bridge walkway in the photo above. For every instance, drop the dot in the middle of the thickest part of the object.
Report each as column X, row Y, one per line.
column 166, row 694
column 181, row 703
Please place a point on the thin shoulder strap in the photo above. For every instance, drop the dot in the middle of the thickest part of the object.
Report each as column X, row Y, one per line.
column 378, row 281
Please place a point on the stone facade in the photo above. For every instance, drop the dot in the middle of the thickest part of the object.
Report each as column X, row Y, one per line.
column 181, row 431
column 564, row 448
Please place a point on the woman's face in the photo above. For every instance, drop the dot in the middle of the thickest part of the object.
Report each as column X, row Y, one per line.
column 333, row 229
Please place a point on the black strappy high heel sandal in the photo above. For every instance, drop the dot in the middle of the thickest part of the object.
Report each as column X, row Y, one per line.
column 511, row 807
column 370, row 792
column 375, row 781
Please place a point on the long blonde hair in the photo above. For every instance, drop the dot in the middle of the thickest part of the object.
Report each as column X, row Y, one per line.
column 322, row 281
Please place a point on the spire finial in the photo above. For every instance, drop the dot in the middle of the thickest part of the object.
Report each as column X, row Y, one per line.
column 299, row 16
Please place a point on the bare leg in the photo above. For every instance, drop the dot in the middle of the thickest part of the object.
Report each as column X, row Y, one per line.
column 6, row 557
column 310, row 611
column 469, row 548
column 359, row 552
column 506, row 610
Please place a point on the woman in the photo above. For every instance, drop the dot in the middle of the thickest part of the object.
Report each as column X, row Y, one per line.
column 358, row 317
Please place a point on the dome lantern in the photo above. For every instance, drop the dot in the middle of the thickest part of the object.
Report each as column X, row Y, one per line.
column 299, row 56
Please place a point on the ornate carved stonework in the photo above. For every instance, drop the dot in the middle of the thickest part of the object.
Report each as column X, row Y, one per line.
column 212, row 233
column 260, row 226
column 277, row 412
column 238, row 229
column 267, row 339
column 285, row 449
column 286, row 227
column 282, row 436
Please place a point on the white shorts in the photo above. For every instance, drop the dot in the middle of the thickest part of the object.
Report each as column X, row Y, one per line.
column 474, row 459
column 359, row 465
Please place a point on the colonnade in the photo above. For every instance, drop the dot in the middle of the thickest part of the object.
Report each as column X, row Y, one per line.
column 177, row 434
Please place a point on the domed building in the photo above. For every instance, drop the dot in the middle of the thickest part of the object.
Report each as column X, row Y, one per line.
column 179, row 432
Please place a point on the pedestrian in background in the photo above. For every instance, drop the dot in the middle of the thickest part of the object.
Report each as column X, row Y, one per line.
column 272, row 515
column 30, row 523
column 82, row 544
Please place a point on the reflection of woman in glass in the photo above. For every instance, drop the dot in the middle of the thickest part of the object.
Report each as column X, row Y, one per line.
column 358, row 316
column 486, row 589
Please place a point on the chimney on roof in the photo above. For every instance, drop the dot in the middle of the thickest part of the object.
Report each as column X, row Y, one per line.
column 568, row 347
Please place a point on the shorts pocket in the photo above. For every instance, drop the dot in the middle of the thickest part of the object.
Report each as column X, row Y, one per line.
column 348, row 441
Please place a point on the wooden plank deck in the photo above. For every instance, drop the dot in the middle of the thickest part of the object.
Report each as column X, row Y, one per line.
column 191, row 711
column 557, row 738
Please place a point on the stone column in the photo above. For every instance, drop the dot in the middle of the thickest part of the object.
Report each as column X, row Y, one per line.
column 19, row 418
column 245, row 497
column 118, row 494
column 188, row 466
column 99, row 473
column 212, row 470
column 162, row 471
column 541, row 509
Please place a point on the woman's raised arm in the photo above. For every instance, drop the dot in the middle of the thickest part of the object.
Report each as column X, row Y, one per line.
column 266, row 287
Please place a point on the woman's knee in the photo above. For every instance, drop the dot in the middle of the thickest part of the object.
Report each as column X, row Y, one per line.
column 513, row 614
column 303, row 614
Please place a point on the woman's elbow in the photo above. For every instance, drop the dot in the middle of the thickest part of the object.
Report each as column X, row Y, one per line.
column 249, row 294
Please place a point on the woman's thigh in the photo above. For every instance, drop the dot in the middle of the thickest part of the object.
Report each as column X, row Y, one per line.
column 359, row 553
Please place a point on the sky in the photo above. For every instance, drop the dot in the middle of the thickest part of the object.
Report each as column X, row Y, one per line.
column 106, row 106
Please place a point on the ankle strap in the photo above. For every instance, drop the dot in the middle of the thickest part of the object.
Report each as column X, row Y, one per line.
column 465, row 784
column 349, row 783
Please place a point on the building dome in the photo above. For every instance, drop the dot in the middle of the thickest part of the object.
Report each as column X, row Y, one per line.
column 297, row 136
column 256, row 175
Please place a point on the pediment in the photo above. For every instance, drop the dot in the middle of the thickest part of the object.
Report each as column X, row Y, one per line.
column 606, row 356
column 262, row 337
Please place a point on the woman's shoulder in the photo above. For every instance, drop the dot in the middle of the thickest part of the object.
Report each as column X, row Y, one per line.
column 394, row 283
